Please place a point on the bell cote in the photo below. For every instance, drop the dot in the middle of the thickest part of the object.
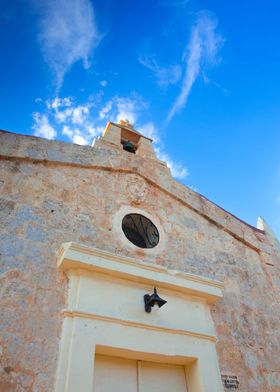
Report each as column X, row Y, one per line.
column 123, row 136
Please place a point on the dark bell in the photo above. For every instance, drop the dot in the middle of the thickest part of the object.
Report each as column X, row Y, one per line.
column 128, row 146
column 151, row 300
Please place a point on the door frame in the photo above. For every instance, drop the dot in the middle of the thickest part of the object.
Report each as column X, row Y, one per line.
column 128, row 333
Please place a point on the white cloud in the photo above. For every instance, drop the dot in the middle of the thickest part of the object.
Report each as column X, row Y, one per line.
column 94, row 131
column 123, row 108
column 103, row 113
column 62, row 115
column 75, row 135
column 128, row 109
column 79, row 114
column 164, row 76
column 149, row 130
column 177, row 170
column 67, row 131
column 202, row 51
column 42, row 126
column 103, row 83
column 73, row 121
column 68, row 33
column 64, row 109
column 59, row 102
column 78, row 139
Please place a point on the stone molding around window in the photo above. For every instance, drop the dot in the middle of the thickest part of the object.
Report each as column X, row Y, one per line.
column 117, row 228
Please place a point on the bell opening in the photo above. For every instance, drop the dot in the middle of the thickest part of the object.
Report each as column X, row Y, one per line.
column 128, row 146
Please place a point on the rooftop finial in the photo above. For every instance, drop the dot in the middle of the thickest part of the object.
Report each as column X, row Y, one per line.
column 126, row 123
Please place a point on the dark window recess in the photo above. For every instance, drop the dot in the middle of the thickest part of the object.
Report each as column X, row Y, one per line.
column 140, row 231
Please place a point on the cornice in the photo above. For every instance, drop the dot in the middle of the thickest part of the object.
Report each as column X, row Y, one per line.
column 136, row 324
column 73, row 257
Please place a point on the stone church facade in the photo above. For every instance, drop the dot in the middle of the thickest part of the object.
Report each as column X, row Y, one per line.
column 86, row 232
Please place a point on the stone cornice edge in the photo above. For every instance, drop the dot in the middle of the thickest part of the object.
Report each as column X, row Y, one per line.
column 72, row 256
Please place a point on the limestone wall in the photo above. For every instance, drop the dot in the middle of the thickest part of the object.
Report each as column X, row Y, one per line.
column 53, row 192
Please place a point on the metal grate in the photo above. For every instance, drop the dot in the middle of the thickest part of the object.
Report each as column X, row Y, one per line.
column 140, row 231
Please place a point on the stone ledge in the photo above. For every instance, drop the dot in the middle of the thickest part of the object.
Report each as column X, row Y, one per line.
column 72, row 256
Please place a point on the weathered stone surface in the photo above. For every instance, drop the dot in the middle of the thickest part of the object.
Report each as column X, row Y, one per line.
column 53, row 192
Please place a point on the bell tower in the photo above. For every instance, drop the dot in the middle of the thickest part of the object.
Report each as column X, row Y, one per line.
column 123, row 136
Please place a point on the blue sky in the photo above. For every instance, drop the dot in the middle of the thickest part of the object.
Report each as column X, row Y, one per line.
column 200, row 77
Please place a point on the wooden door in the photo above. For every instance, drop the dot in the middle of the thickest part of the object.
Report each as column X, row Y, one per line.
column 157, row 377
column 113, row 374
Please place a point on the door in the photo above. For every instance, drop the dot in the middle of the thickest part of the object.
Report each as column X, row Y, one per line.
column 112, row 374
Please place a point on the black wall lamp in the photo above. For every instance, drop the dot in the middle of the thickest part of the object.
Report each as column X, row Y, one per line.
column 151, row 300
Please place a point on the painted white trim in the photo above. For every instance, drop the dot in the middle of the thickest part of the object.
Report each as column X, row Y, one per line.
column 76, row 256
column 116, row 320
column 106, row 312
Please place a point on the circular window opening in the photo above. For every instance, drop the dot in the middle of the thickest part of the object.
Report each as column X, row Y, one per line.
column 140, row 231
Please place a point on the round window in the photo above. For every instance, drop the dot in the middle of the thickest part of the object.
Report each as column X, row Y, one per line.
column 140, row 231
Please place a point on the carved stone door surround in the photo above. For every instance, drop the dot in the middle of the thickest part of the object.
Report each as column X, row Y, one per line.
column 105, row 316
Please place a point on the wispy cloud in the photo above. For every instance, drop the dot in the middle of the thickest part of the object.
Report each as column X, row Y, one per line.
column 123, row 108
column 177, row 169
column 129, row 108
column 149, row 130
column 212, row 82
column 105, row 110
column 68, row 33
column 164, row 76
column 202, row 52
